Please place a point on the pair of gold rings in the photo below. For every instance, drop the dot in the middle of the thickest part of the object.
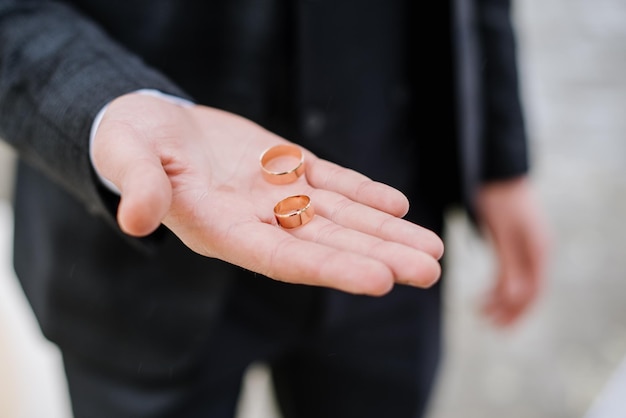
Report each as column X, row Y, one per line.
column 277, row 165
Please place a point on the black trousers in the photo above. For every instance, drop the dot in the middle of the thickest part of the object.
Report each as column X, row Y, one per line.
column 331, row 355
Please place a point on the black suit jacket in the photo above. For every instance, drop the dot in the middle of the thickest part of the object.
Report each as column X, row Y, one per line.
column 330, row 75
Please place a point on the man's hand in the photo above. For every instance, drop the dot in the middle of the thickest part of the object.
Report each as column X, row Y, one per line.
column 514, row 222
column 196, row 170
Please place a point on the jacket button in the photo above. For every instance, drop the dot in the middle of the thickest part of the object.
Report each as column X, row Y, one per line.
column 314, row 123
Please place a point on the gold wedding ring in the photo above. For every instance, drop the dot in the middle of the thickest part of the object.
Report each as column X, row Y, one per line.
column 294, row 211
column 282, row 176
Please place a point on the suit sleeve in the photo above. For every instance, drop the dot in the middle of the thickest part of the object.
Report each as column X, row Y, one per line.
column 57, row 70
column 506, row 148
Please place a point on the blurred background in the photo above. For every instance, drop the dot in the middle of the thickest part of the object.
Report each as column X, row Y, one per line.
column 567, row 358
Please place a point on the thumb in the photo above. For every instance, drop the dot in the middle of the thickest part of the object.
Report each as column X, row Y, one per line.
column 146, row 197
column 135, row 169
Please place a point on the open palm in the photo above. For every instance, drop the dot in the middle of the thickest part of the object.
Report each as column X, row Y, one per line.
column 196, row 170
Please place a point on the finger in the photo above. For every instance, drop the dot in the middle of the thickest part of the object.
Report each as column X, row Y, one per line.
column 509, row 300
column 534, row 250
column 138, row 174
column 497, row 313
column 325, row 175
column 146, row 198
column 370, row 221
column 509, row 315
column 277, row 254
column 409, row 265
column 501, row 313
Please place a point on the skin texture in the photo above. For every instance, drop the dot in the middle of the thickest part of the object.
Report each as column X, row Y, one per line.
column 196, row 170
column 513, row 220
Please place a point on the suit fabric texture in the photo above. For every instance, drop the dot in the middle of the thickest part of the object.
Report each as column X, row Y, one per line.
column 342, row 78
